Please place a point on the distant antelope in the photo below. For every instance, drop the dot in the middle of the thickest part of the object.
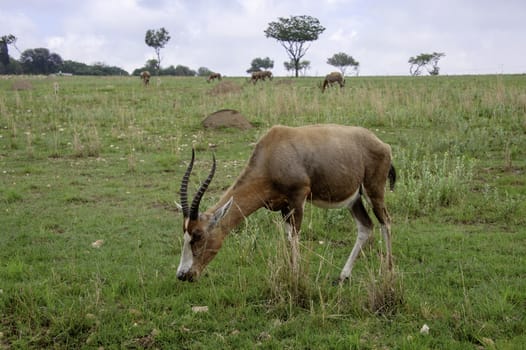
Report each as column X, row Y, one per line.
column 331, row 78
column 145, row 77
column 213, row 76
column 260, row 75
column 330, row 165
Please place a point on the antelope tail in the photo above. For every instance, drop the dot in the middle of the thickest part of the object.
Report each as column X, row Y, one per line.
column 392, row 177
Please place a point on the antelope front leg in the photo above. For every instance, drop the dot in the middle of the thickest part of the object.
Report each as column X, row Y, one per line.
column 293, row 218
column 292, row 230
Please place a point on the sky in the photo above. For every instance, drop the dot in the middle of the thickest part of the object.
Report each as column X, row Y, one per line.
column 476, row 36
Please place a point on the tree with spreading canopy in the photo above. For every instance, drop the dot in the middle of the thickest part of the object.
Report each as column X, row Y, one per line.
column 429, row 61
column 157, row 39
column 293, row 34
column 341, row 60
column 40, row 61
column 259, row 64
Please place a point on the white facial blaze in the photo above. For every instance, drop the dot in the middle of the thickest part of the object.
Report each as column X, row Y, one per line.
column 186, row 256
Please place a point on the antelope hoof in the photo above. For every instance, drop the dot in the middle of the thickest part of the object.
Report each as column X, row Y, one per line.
column 185, row 277
column 339, row 281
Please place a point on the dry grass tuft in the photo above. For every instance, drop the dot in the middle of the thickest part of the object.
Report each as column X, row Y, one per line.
column 87, row 145
column 288, row 282
column 384, row 290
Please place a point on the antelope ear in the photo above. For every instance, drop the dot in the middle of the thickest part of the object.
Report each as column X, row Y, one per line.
column 221, row 212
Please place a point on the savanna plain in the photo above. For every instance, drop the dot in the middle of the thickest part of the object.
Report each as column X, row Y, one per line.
column 90, row 169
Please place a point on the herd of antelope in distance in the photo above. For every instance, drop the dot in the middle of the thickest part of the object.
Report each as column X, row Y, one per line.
column 328, row 165
column 329, row 80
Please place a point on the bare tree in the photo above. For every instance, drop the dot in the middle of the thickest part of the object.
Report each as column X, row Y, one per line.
column 429, row 61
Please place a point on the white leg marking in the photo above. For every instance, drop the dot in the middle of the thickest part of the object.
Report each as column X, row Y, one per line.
column 363, row 235
column 386, row 234
column 294, row 254
column 186, row 256
column 288, row 229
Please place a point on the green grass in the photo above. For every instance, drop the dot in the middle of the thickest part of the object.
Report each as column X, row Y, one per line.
column 103, row 160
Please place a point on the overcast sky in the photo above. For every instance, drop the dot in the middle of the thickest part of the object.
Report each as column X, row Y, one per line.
column 477, row 36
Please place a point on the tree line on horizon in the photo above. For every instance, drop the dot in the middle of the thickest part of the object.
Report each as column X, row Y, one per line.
column 293, row 33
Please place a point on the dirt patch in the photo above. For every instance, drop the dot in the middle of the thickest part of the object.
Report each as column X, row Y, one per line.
column 226, row 118
column 225, row 87
column 22, row 85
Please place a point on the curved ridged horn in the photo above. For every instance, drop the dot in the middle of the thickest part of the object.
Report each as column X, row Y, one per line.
column 194, row 209
column 184, row 187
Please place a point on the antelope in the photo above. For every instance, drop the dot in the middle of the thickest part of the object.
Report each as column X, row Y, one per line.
column 213, row 76
column 260, row 75
column 332, row 166
column 331, row 78
column 266, row 74
column 145, row 77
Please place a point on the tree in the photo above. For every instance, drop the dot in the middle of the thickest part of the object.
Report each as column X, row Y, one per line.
column 150, row 66
column 14, row 67
column 98, row 68
column 429, row 61
column 203, row 72
column 40, row 61
column 184, row 71
column 168, row 71
column 77, row 68
column 342, row 61
column 303, row 66
column 157, row 39
column 4, row 49
column 293, row 34
column 258, row 64
column 101, row 68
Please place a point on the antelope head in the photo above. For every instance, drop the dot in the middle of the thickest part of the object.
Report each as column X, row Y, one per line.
column 202, row 240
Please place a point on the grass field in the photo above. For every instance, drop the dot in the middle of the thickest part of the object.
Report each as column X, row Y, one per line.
column 90, row 160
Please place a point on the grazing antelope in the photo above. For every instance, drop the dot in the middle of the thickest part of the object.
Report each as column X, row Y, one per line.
column 145, row 77
column 331, row 78
column 266, row 74
column 330, row 165
column 213, row 76
column 260, row 75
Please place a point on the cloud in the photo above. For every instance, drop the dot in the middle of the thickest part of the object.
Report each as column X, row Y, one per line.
column 477, row 37
column 342, row 36
column 21, row 26
column 68, row 47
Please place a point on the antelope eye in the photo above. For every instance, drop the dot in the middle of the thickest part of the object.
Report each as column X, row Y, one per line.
column 196, row 236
